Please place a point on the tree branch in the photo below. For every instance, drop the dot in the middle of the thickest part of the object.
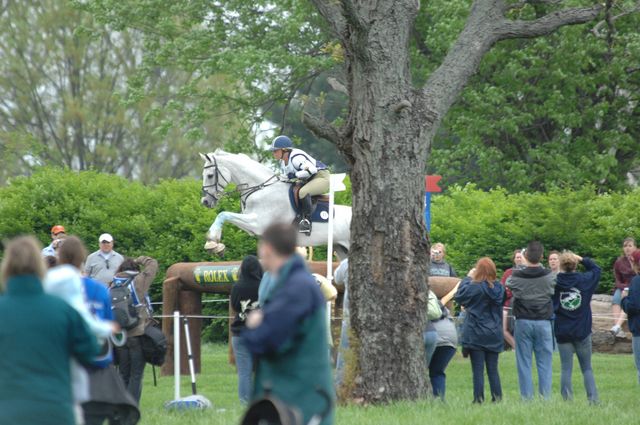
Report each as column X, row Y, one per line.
column 548, row 23
column 323, row 128
column 337, row 85
column 596, row 29
column 332, row 12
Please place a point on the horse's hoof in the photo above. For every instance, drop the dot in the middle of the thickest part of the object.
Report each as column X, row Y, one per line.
column 213, row 247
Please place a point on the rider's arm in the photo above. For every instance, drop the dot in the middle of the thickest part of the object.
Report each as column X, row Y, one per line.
column 305, row 168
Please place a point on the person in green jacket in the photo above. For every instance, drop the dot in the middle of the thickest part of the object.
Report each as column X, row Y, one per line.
column 39, row 334
column 288, row 333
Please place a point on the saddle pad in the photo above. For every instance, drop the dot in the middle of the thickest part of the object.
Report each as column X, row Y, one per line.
column 216, row 275
column 320, row 213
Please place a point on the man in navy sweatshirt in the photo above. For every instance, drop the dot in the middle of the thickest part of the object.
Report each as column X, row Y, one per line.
column 572, row 301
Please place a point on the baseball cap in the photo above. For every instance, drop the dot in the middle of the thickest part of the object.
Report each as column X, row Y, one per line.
column 636, row 256
column 105, row 237
column 57, row 229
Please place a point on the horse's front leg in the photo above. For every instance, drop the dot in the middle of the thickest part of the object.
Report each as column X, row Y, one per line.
column 247, row 222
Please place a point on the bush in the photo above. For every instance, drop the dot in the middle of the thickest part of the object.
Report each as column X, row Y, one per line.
column 474, row 223
column 166, row 221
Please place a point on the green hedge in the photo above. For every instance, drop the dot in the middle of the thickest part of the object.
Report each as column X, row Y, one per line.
column 474, row 223
column 164, row 221
column 167, row 222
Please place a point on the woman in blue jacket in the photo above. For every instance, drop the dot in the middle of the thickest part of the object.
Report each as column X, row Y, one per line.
column 572, row 301
column 482, row 296
column 631, row 306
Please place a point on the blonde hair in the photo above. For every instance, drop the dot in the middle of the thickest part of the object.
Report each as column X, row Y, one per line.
column 22, row 256
column 568, row 261
column 440, row 246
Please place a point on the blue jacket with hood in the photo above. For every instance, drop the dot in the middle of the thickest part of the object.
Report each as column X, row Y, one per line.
column 482, row 328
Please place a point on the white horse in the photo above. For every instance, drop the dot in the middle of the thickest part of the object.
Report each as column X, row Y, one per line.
column 264, row 200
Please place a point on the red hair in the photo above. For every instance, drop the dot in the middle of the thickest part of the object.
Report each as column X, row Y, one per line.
column 485, row 271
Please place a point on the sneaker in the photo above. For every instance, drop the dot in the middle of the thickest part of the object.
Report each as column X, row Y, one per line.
column 615, row 329
column 621, row 334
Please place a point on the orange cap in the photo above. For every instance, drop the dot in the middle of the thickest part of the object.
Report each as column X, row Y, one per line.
column 57, row 229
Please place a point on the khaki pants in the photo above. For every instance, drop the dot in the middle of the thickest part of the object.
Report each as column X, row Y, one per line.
column 318, row 185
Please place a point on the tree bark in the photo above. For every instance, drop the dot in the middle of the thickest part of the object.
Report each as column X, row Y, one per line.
column 386, row 140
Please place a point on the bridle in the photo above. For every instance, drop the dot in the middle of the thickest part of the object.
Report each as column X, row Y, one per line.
column 219, row 189
column 242, row 188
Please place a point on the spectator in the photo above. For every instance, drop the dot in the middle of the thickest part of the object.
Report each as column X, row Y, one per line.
column 445, row 349
column 244, row 299
column 103, row 264
column 35, row 371
column 130, row 356
column 624, row 273
column 533, row 289
column 294, row 309
column 65, row 282
column 482, row 296
column 554, row 262
column 430, row 335
column 631, row 306
column 341, row 277
column 508, row 322
column 108, row 397
column 439, row 267
column 573, row 320
column 57, row 232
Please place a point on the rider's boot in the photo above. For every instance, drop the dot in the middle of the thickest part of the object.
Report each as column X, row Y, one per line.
column 306, row 209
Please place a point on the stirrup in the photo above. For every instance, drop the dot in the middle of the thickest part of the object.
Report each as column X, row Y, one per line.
column 304, row 226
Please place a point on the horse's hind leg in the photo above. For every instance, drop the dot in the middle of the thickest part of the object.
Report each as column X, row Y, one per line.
column 341, row 252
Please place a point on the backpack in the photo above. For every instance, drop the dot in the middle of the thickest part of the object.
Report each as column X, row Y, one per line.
column 124, row 302
column 154, row 345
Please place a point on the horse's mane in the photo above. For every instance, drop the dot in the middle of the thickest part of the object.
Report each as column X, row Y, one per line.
column 249, row 163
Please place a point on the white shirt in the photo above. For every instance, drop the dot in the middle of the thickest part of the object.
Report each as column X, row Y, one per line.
column 301, row 165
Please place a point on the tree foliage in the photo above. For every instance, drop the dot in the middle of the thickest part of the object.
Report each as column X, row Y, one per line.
column 65, row 101
column 557, row 111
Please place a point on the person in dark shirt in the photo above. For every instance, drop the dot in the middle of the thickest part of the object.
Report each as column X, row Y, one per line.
column 533, row 289
column 572, row 301
column 482, row 297
column 631, row 306
column 244, row 299
column 438, row 266
column 623, row 271
column 288, row 334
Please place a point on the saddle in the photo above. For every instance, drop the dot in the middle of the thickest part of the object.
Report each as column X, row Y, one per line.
column 320, row 204
column 296, row 197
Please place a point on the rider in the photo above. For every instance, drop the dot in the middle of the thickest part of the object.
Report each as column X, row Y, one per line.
column 297, row 164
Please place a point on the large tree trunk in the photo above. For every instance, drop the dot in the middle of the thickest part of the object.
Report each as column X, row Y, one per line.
column 386, row 140
column 389, row 253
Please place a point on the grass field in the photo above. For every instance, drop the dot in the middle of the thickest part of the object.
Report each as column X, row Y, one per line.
column 615, row 376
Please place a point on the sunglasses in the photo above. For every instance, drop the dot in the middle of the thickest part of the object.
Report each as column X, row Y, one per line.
column 107, row 264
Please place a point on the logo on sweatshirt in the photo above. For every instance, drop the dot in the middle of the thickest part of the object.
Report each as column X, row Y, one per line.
column 571, row 300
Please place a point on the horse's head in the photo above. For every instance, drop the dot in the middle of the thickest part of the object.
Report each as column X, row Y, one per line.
column 215, row 178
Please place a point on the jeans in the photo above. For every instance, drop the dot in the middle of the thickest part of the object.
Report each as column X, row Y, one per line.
column 439, row 362
column 244, row 366
column 430, row 339
column 534, row 337
column 480, row 358
column 131, row 364
column 636, row 354
column 583, row 351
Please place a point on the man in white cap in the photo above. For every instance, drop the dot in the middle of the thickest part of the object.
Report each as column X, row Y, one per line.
column 103, row 264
